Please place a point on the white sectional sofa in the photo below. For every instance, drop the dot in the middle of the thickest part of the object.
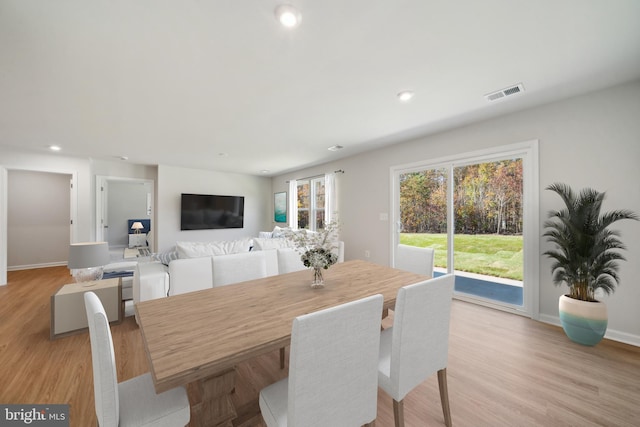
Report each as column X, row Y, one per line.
column 199, row 265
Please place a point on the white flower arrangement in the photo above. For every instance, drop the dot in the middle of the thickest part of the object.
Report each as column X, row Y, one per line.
column 317, row 249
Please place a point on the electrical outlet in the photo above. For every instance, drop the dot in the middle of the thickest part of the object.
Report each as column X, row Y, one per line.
column 367, row 254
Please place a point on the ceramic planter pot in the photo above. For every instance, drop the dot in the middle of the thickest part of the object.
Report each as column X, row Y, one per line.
column 584, row 322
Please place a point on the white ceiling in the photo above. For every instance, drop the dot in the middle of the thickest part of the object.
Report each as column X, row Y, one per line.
column 179, row 82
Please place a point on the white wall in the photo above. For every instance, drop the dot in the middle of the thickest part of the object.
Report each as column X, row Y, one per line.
column 38, row 220
column 123, row 169
column 173, row 181
column 587, row 141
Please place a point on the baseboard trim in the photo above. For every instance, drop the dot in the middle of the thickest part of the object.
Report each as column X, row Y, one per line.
column 33, row 266
column 611, row 334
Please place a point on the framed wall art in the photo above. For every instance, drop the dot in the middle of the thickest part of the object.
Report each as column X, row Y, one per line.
column 280, row 207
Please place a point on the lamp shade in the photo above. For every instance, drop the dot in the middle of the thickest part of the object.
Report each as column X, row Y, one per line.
column 137, row 226
column 87, row 255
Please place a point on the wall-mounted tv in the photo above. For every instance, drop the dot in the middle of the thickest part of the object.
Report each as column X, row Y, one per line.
column 204, row 211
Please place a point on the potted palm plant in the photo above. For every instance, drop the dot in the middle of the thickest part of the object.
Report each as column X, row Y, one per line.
column 585, row 258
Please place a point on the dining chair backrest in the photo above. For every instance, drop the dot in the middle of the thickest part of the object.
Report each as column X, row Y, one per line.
column 289, row 261
column 333, row 367
column 105, row 379
column 271, row 261
column 234, row 268
column 189, row 275
column 339, row 250
column 415, row 259
column 420, row 334
column 133, row 402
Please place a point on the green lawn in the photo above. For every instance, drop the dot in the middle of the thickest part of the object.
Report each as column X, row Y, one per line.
column 490, row 254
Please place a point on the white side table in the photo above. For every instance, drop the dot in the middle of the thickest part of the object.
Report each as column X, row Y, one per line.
column 68, row 315
column 136, row 240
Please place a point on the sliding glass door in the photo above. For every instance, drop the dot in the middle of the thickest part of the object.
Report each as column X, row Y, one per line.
column 471, row 210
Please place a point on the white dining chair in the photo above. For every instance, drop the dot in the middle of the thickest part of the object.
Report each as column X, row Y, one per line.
column 415, row 259
column 190, row 275
column 417, row 344
column 235, row 268
column 289, row 261
column 332, row 369
column 131, row 403
column 340, row 251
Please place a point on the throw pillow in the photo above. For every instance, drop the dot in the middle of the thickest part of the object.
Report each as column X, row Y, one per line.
column 279, row 231
column 223, row 247
column 166, row 257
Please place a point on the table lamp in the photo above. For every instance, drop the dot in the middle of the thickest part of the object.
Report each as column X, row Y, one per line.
column 87, row 261
column 136, row 227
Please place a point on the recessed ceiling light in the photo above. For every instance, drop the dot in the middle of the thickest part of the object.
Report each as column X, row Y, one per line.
column 123, row 158
column 55, row 148
column 335, row 148
column 405, row 96
column 264, row 171
column 288, row 15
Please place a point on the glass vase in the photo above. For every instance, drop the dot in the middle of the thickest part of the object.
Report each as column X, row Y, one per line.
column 318, row 280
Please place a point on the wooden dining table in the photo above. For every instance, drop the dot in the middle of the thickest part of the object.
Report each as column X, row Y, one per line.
column 197, row 339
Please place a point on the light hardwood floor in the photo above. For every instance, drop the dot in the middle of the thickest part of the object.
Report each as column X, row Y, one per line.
column 504, row 370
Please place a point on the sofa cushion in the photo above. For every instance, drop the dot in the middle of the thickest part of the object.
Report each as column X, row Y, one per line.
column 260, row 244
column 223, row 247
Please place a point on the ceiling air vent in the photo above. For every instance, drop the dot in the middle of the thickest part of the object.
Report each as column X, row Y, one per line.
column 493, row 96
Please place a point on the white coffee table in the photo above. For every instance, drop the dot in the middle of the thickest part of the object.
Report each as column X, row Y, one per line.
column 68, row 314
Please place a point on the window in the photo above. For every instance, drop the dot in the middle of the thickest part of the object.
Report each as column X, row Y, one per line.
column 487, row 198
column 311, row 203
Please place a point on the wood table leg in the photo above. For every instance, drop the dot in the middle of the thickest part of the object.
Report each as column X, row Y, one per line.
column 210, row 400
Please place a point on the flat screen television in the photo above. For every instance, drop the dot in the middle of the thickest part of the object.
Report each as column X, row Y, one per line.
column 204, row 211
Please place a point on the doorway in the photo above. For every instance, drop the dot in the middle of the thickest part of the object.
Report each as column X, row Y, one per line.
column 119, row 200
column 479, row 213
column 70, row 230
